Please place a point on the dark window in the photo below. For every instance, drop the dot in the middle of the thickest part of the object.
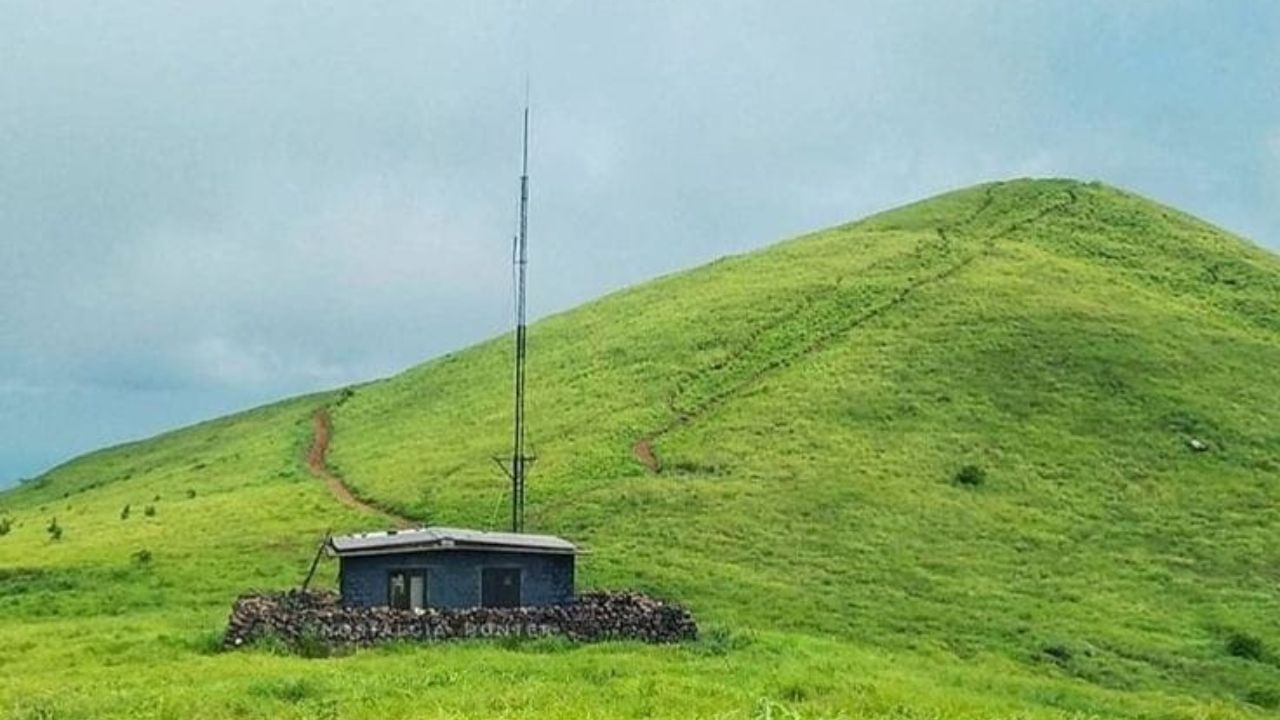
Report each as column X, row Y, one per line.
column 406, row 590
column 398, row 590
column 500, row 587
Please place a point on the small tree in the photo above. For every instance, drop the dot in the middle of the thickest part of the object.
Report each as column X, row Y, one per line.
column 1246, row 646
column 970, row 476
column 149, row 511
column 124, row 514
column 142, row 557
column 5, row 526
column 55, row 530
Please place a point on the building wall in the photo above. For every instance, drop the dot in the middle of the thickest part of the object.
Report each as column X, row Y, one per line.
column 453, row 576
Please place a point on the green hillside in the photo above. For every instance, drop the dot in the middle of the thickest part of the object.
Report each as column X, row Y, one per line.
column 773, row 440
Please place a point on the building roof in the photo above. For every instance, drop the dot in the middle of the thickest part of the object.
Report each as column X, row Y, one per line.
column 443, row 538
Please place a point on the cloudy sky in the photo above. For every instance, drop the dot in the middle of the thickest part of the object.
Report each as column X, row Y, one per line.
column 205, row 206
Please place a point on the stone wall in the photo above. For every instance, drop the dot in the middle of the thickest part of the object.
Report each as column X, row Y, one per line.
column 319, row 616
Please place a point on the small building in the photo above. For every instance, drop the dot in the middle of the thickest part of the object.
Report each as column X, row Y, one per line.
column 453, row 568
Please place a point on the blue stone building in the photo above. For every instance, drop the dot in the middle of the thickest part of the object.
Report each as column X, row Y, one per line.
column 453, row 568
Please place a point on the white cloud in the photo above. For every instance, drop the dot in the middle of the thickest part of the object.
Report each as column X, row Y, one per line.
column 242, row 366
column 221, row 360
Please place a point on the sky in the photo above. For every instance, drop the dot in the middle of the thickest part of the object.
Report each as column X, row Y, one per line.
column 208, row 206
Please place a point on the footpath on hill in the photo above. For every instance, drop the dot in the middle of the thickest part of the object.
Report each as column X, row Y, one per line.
column 686, row 412
column 321, row 432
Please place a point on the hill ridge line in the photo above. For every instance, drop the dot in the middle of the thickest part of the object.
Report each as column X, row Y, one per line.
column 644, row 451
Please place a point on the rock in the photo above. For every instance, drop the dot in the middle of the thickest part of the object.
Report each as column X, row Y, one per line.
column 1197, row 445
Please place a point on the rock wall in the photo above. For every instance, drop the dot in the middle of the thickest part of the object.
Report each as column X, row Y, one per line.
column 319, row 616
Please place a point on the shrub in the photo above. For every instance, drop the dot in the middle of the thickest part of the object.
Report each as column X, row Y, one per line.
column 1245, row 646
column 5, row 526
column 55, row 530
column 190, row 493
column 142, row 557
column 124, row 514
column 970, row 476
column 1058, row 653
column 149, row 511
column 1264, row 697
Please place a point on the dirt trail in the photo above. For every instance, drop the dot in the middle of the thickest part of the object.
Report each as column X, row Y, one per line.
column 646, row 454
column 321, row 431
column 643, row 451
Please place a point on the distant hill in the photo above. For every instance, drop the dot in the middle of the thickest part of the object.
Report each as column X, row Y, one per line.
column 1010, row 451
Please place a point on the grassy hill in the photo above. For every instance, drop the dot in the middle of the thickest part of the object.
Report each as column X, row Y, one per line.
column 774, row 440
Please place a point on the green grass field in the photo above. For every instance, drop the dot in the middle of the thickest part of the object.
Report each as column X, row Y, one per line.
column 809, row 407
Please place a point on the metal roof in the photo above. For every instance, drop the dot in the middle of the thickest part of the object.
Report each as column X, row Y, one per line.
column 444, row 538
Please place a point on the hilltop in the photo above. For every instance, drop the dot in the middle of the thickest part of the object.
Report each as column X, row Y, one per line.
column 777, row 440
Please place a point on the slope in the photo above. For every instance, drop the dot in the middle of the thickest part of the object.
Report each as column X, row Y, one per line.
column 771, row 439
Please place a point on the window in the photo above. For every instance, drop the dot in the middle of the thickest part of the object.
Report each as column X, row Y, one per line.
column 397, row 589
column 407, row 589
column 500, row 587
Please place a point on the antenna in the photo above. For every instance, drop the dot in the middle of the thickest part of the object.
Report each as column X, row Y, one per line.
column 519, row 462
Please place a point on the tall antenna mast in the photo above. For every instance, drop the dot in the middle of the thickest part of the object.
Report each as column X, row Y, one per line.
column 521, row 257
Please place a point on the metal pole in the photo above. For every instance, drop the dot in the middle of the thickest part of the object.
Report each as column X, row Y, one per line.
column 316, row 560
column 522, row 261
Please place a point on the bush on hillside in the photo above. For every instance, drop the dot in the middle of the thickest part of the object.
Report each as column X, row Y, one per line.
column 1246, row 646
column 149, row 511
column 5, row 526
column 141, row 557
column 1264, row 697
column 1058, row 653
column 970, row 476
column 124, row 513
column 55, row 530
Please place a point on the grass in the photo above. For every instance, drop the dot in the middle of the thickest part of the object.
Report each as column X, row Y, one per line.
column 814, row 406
